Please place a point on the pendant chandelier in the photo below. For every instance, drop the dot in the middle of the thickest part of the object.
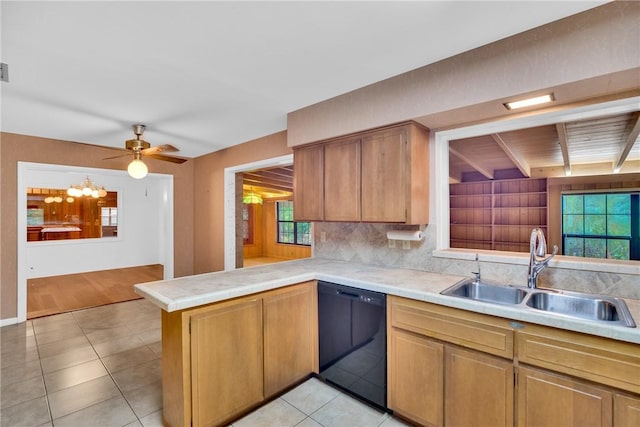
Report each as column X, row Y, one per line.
column 87, row 189
column 252, row 198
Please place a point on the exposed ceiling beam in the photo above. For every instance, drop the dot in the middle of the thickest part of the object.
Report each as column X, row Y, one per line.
column 266, row 180
column 562, row 140
column 520, row 162
column 629, row 141
column 266, row 177
column 471, row 163
column 259, row 183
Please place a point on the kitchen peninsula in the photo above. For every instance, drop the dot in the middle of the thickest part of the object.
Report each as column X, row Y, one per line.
column 231, row 317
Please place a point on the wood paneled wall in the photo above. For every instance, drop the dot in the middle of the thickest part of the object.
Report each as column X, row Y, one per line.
column 265, row 236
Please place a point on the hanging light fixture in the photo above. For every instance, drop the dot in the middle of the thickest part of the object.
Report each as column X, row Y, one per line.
column 87, row 189
column 252, row 198
column 137, row 169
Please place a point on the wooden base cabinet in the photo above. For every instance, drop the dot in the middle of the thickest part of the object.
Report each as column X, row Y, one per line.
column 452, row 367
column 223, row 359
column 290, row 337
column 549, row 400
column 478, row 389
column 433, row 380
column 626, row 410
column 226, row 361
column 415, row 381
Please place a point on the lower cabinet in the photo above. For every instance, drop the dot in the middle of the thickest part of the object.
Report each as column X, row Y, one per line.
column 547, row 399
column 433, row 382
column 626, row 410
column 221, row 360
column 416, row 366
column 450, row 367
column 478, row 389
column 226, row 361
column 290, row 337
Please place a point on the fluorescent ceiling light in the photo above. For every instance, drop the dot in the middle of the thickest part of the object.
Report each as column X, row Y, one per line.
column 529, row 102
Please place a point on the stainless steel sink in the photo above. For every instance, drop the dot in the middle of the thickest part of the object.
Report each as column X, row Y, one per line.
column 592, row 307
column 485, row 292
column 598, row 308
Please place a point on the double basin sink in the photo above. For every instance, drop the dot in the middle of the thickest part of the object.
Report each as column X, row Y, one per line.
column 598, row 308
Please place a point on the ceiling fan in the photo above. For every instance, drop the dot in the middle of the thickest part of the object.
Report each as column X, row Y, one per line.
column 141, row 148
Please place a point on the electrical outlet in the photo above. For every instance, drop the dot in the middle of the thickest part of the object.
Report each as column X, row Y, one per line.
column 323, row 236
column 406, row 245
column 392, row 243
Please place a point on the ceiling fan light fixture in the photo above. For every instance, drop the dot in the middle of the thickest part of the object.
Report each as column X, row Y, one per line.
column 537, row 100
column 137, row 169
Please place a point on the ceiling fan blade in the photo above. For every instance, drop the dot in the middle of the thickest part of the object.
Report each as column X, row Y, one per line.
column 165, row 158
column 115, row 157
column 165, row 148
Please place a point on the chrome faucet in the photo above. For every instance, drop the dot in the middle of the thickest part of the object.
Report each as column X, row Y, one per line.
column 537, row 253
column 477, row 273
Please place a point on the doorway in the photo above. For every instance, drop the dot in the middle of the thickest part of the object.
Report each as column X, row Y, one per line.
column 269, row 234
column 137, row 243
column 233, row 203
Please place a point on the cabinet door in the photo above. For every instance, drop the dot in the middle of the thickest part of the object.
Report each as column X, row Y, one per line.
column 226, row 361
column 342, row 181
column 308, row 183
column 415, row 377
column 626, row 411
column 478, row 389
column 385, row 169
column 546, row 399
column 290, row 336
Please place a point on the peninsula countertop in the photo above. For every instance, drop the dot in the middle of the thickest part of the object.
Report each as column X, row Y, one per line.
column 197, row 290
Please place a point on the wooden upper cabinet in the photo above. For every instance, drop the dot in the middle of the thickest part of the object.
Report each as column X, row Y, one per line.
column 342, row 180
column 374, row 176
column 308, row 183
column 384, row 176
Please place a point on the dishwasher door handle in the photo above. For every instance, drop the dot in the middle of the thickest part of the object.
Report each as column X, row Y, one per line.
column 348, row 294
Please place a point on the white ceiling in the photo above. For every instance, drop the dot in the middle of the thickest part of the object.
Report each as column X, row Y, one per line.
column 210, row 74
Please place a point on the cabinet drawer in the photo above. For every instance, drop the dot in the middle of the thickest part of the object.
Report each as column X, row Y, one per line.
column 593, row 358
column 489, row 334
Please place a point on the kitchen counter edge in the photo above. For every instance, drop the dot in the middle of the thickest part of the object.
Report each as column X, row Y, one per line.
column 197, row 290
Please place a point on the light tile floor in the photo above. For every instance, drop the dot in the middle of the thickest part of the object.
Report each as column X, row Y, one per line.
column 101, row 367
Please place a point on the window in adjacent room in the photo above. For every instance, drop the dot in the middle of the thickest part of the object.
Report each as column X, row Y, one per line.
column 601, row 225
column 109, row 216
column 247, row 224
column 290, row 231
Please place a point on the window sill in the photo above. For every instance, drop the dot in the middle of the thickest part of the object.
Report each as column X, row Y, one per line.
column 560, row 261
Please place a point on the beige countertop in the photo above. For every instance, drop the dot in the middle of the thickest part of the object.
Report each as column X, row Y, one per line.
column 193, row 291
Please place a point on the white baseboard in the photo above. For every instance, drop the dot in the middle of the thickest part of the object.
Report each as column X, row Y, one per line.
column 7, row 322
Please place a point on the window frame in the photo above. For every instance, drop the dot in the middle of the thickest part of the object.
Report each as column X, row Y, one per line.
column 295, row 226
column 634, row 235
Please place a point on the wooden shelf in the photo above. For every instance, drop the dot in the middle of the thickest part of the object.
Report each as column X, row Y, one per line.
column 497, row 215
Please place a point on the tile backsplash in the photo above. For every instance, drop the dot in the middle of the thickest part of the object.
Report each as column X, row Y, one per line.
column 367, row 243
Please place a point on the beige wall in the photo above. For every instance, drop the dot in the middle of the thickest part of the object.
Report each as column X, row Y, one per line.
column 584, row 56
column 14, row 148
column 209, row 203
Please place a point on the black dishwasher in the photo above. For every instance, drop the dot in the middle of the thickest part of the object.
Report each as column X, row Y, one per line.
column 352, row 341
